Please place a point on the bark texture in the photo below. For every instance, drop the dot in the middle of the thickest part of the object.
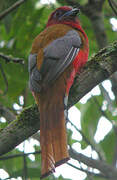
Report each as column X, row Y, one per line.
column 99, row 68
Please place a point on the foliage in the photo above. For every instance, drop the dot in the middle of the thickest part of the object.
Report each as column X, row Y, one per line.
column 17, row 31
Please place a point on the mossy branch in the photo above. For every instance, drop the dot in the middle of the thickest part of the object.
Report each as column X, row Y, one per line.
column 100, row 67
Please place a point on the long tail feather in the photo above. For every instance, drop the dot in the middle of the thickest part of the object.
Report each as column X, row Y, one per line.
column 53, row 136
column 52, row 103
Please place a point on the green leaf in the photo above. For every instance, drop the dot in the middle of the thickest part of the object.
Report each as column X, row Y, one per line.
column 90, row 115
column 108, row 146
column 69, row 137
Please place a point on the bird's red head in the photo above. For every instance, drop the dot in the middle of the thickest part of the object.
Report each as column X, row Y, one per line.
column 64, row 15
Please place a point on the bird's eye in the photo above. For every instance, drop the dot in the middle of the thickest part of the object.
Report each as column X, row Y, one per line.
column 57, row 14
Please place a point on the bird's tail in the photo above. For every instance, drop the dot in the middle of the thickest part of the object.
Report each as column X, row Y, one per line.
column 53, row 136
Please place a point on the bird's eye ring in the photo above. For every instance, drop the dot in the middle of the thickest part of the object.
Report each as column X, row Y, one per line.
column 57, row 14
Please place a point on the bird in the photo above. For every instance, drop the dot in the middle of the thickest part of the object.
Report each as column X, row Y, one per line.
column 58, row 53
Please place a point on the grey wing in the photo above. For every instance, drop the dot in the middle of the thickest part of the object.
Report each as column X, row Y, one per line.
column 58, row 56
column 34, row 74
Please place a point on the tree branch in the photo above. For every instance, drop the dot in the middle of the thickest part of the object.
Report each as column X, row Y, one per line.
column 114, row 162
column 11, row 59
column 10, row 9
column 7, row 114
column 18, row 155
column 93, row 146
column 5, row 79
column 99, row 68
column 26, row 124
column 113, row 5
column 114, row 85
column 104, row 92
column 88, row 172
column 102, row 166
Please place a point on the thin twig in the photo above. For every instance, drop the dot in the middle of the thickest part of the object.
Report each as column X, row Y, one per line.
column 114, row 128
column 25, row 175
column 18, row 155
column 105, row 168
column 5, row 79
column 114, row 162
column 107, row 98
column 10, row 9
column 99, row 107
column 113, row 5
column 73, row 3
column 86, row 171
column 86, row 140
column 11, row 59
column 7, row 113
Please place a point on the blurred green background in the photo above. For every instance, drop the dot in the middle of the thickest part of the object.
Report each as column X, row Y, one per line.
column 17, row 31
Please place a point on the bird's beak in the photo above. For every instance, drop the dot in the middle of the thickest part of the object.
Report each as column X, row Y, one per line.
column 70, row 13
